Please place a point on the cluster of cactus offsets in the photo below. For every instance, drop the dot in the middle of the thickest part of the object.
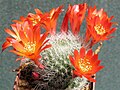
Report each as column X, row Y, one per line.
column 59, row 61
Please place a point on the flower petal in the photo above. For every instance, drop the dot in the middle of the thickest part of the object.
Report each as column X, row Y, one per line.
column 23, row 37
column 10, row 33
column 18, row 46
column 72, row 60
column 90, row 78
column 97, row 69
column 94, row 58
column 5, row 45
column 82, row 52
column 18, row 53
column 89, row 53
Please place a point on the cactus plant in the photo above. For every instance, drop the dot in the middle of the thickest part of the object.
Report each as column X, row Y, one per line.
column 58, row 61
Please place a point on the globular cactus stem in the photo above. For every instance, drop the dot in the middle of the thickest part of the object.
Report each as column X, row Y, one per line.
column 57, row 74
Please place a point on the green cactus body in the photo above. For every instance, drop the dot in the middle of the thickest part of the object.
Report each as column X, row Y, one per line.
column 57, row 74
column 56, row 59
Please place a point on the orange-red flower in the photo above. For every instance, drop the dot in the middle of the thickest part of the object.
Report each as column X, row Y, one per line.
column 98, row 25
column 86, row 63
column 35, row 18
column 47, row 20
column 22, row 20
column 32, row 19
column 31, row 44
column 50, row 20
column 75, row 14
column 14, row 33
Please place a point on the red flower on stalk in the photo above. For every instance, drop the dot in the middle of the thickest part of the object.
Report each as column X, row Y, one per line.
column 99, row 25
column 32, row 43
column 75, row 14
column 85, row 63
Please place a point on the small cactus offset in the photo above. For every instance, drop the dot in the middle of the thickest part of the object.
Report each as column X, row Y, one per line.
column 58, row 61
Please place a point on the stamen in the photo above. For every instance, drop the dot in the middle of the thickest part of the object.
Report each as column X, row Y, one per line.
column 35, row 21
column 85, row 65
column 99, row 29
column 30, row 47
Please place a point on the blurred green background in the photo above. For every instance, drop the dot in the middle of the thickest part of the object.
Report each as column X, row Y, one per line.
column 107, row 79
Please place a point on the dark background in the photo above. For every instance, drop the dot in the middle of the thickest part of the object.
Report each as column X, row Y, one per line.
column 107, row 79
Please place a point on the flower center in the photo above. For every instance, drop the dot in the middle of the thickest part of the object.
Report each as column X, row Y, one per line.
column 85, row 65
column 30, row 47
column 99, row 29
column 35, row 20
